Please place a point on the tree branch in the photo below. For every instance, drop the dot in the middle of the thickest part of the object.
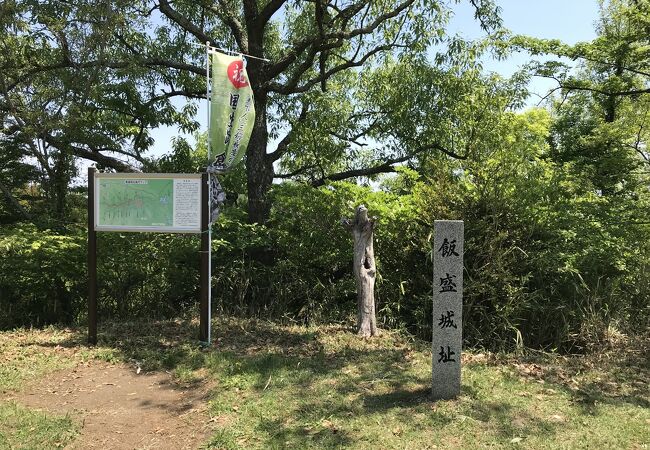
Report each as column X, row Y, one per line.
column 200, row 95
column 608, row 93
column 292, row 87
column 283, row 145
column 295, row 173
column 236, row 27
column 267, row 12
column 387, row 166
column 183, row 22
column 340, row 36
column 109, row 161
column 149, row 62
column 569, row 87
column 94, row 155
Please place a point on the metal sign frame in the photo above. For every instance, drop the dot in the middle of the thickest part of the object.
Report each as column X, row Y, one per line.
column 146, row 176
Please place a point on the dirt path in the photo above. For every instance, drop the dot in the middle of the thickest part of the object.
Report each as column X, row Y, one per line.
column 120, row 409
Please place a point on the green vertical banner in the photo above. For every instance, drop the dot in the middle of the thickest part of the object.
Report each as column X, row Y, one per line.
column 232, row 112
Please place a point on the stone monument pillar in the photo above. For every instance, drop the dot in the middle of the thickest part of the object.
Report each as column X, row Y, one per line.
column 447, row 307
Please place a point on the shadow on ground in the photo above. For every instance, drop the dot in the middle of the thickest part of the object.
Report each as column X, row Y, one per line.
column 283, row 386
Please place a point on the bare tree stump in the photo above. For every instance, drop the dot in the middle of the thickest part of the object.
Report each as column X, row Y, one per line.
column 364, row 271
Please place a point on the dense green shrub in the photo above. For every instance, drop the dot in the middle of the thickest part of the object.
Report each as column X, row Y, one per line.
column 147, row 274
column 308, row 272
column 42, row 276
column 549, row 262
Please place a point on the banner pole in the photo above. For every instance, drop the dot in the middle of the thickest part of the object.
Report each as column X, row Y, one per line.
column 205, row 274
column 207, row 87
column 92, row 260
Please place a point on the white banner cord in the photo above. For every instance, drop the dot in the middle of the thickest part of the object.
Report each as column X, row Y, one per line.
column 211, row 49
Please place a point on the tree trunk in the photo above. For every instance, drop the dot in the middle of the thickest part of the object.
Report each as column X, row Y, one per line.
column 611, row 102
column 259, row 167
column 364, row 271
column 14, row 202
column 60, row 180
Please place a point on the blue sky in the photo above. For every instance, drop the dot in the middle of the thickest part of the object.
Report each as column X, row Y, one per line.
column 568, row 20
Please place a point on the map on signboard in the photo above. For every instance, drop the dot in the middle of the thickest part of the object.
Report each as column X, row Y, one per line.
column 138, row 202
column 150, row 202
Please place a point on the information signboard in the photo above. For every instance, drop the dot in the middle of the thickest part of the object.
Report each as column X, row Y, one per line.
column 169, row 203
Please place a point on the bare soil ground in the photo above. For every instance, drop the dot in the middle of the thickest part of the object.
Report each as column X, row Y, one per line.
column 121, row 409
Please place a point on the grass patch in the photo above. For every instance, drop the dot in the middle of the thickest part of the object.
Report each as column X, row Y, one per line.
column 28, row 354
column 23, row 428
column 299, row 387
column 325, row 388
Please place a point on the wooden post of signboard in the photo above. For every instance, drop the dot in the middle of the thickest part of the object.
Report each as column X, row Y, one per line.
column 205, row 261
column 92, row 260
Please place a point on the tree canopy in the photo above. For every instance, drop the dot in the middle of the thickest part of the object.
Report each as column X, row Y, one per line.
column 106, row 75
